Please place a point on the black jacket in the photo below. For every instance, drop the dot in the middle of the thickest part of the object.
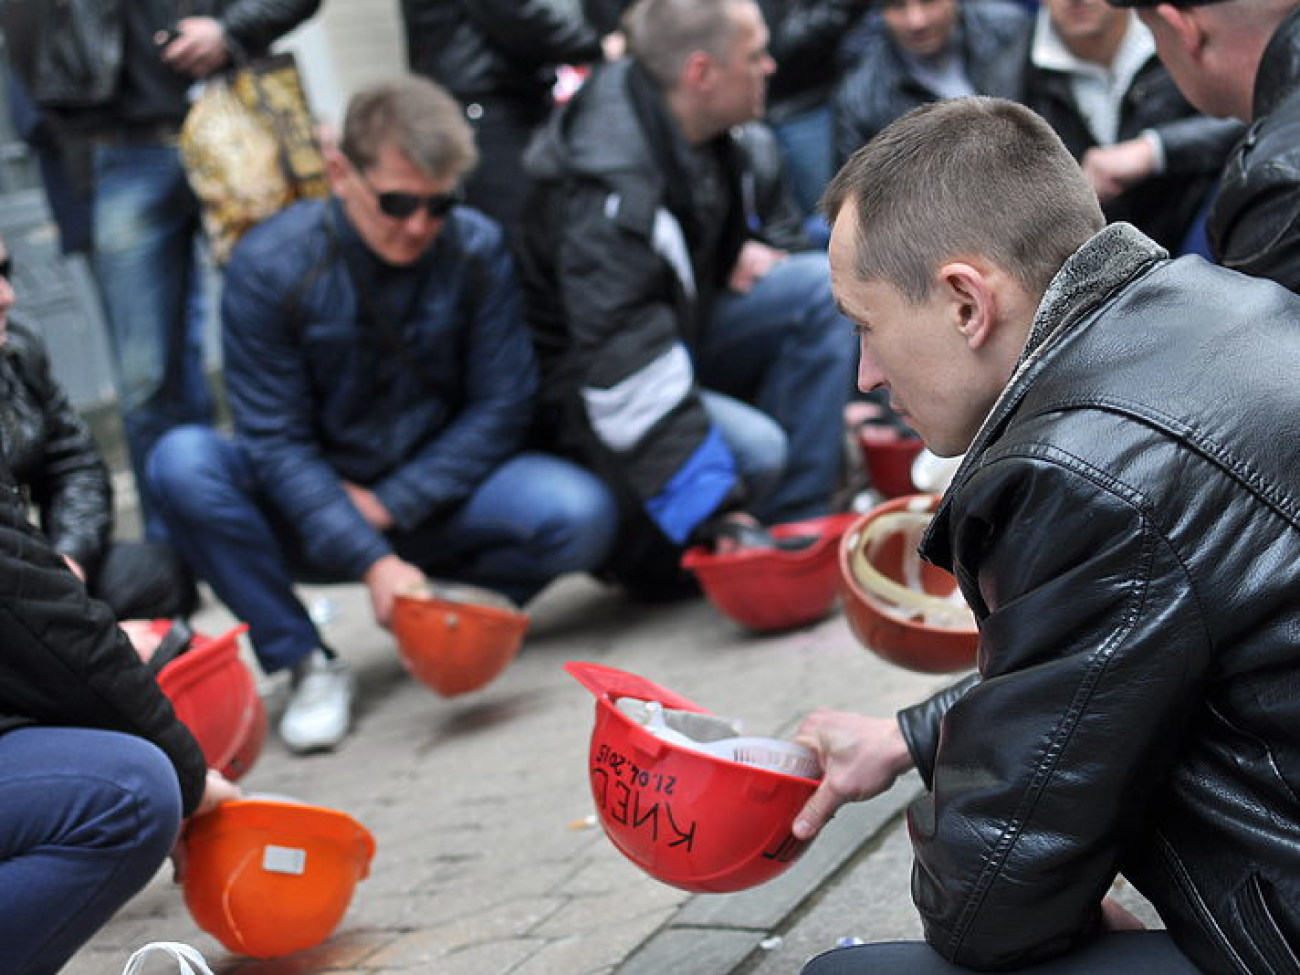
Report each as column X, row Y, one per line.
column 81, row 44
column 880, row 87
column 1195, row 146
column 1254, row 223
column 1126, row 527
column 805, row 43
column 50, row 452
column 63, row 661
column 481, row 50
column 617, row 284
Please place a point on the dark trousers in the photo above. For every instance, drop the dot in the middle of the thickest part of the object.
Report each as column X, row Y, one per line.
column 144, row 580
column 1121, row 953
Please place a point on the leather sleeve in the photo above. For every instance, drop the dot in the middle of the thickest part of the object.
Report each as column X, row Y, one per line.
column 254, row 24
column 65, row 662
column 1092, row 656
column 534, row 31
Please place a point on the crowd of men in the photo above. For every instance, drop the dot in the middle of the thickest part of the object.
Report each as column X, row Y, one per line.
column 522, row 339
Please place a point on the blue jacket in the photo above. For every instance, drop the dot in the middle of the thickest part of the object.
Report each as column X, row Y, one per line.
column 419, row 412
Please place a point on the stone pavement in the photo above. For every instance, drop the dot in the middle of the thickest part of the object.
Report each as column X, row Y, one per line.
column 487, row 861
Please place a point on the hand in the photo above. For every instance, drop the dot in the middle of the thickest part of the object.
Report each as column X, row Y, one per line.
column 613, row 45
column 198, row 49
column 75, row 566
column 386, row 579
column 860, row 758
column 143, row 636
column 1113, row 169
column 371, row 508
column 755, row 261
column 216, row 790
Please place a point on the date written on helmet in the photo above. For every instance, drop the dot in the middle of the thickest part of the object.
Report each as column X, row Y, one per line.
column 638, row 798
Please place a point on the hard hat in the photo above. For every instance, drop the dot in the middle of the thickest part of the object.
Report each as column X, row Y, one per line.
column 887, row 453
column 708, row 816
column 268, row 877
column 774, row 588
column 901, row 608
column 214, row 695
column 456, row 638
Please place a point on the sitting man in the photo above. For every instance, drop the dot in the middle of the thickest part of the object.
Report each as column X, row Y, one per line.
column 700, row 371
column 62, row 474
column 910, row 52
column 1130, row 547
column 1092, row 72
column 381, row 383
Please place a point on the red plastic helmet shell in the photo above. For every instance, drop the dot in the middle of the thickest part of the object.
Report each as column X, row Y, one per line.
column 891, row 632
column 698, row 822
column 214, row 695
column 769, row 589
column 270, row 877
column 457, row 639
column 888, row 453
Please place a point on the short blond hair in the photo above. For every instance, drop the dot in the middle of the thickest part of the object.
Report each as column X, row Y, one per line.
column 416, row 116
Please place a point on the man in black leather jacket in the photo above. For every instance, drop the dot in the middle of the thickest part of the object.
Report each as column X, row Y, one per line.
column 1125, row 526
column 498, row 57
column 116, row 75
column 1254, row 223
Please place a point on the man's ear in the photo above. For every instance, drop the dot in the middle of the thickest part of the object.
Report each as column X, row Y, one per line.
column 1185, row 23
column 697, row 70
column 337, row 167
column 973, row 298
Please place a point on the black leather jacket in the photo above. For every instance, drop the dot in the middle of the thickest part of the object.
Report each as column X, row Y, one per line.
column 805, row 42
column 51, row 453
column 1255, row 221
column 63, row 661
column 1126, row 527
column 81, row 42
column 481, row 50
column 1195, row 146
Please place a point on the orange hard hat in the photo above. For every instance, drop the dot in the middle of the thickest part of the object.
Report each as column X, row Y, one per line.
column 456, row 638
column 901, row 608
column 214, row 695
column 711, row 817
column 268, row 877
column 774, row 588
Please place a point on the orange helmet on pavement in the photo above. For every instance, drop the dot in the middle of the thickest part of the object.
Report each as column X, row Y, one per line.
column 688, row 800
column 774, row 588
column 901, row 608
column 214, row 695
column 455, row 638
column 267, row 877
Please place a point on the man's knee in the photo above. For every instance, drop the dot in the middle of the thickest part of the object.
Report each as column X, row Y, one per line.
column 184, row 463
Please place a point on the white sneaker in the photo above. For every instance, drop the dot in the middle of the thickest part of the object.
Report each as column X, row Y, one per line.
column 319, row 711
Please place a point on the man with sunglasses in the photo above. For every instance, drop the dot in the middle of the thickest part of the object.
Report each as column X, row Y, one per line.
column 381, row 384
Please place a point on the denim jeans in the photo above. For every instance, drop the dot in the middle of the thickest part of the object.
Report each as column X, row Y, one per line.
column 784, row 348
column 86, row 819
column 145, row 225
column 808, row 144
column 757, row 442
column 1120, row 953
column 533, row 519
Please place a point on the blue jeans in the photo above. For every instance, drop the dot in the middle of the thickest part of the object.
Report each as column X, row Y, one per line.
column 534, row 518
column 807, row 142
column 784, row 348
column 146, row 223
column 86, row 819
column 1120, row 953
column 757, row 442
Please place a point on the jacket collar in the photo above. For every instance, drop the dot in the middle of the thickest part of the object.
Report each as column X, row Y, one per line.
column 1279, row 68
column 1105, row 264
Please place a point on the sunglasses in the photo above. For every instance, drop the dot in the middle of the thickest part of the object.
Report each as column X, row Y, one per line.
column 402, row 206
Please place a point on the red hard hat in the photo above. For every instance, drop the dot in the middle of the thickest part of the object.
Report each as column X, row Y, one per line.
column 901, row 608
column 690, row 818
column 214, row 695
column 768, row 589
column 888, row 453
column 456, row 638
column 268, row 877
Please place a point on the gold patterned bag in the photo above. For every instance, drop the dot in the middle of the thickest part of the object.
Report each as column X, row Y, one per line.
column 249, row 149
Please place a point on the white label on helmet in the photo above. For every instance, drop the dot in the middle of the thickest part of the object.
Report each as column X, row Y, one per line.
column 284, row 859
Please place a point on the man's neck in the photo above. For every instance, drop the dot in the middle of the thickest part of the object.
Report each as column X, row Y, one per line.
column 694, row 128
column 1101, row 49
